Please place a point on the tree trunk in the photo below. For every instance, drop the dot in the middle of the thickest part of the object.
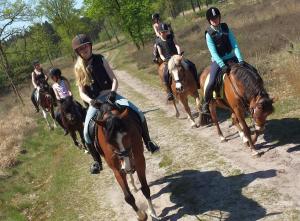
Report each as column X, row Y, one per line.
column 7, row 70
column 193, row 7
column 206, row 2
column 199, row 5
column 113, row 30
column 108, row 35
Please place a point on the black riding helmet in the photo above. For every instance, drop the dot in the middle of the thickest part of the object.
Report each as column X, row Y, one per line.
column 55, row 72
column 79, row 40
column 155, row 16
column 163, row 27
column 212, row 13
column 35, row 62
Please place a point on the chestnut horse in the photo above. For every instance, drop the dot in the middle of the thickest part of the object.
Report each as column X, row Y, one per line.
column 72, row 117
column 183, row 84
column 243, row 92
column 119, row 136
column 46, row 102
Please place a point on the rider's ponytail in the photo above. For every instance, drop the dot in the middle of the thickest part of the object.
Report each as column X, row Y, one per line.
column 82, row 74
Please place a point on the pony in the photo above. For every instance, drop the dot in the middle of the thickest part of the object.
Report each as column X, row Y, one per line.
column 46, row 102
column 72, row 117
column 119, row 135
column 183, row 84
column 244, row 92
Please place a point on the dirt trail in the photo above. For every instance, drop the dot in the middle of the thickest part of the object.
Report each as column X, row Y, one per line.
column 203, row 179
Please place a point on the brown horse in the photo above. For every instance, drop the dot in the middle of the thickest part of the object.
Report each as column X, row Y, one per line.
column 183, row 84
column 119, row 135
column 72, row 117
column 46, row 102
column 243, row 92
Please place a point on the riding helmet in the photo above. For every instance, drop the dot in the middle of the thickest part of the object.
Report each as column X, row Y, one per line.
column 55, row 72
column 155, row 16
column 35, row 62
column 212, row 13
column 163, row 27
column 79, row 40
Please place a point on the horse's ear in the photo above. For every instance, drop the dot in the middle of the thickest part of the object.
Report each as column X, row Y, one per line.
column 100, row 122
column 124, row 114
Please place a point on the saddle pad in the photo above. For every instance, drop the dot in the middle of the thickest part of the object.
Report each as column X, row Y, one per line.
column 214, row 92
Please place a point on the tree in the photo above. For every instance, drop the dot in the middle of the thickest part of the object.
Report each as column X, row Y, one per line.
column 11, row 12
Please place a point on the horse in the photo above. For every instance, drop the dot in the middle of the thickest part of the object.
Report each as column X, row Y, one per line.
column 72, row 117
column 119, row 135
column 183, row 85
column 244, row 92
column 46, row 102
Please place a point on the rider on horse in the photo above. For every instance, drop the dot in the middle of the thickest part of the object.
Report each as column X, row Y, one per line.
column 167, row 47
column 156, row 22
column 97, row 83
column 61, row 88
column 223, row 48
column 38, row 80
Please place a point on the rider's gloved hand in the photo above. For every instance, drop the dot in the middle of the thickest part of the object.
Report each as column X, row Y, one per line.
column 225, row 69
column 112, row 96
column 96, row 103
column 242, row 63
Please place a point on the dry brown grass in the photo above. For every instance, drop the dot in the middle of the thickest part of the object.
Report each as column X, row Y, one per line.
column 14, row 125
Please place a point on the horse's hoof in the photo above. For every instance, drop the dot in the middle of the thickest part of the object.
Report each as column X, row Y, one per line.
column 193, row 125
column 142, row 216
column 177, row 115
column 154, row 217
column 255, row 153
column 223, row 140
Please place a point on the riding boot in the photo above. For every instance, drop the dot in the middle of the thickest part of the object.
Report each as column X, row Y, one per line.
column 168, row 89
column 96, row 167
column 207, row 98
column 150, row 145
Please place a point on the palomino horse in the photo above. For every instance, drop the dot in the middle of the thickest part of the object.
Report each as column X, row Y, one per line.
column 183, row 84
column 46, row 101
column 243, row 91
column 119, row 136
column 72, row 117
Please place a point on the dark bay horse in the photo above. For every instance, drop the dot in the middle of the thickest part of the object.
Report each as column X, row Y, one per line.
column 243, row 92
column 183, row 84
column 46, row 102
column 119, row 135
column 72, row 117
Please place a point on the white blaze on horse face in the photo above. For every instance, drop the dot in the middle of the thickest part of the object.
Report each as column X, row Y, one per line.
column 176, row 78
column 126, row 162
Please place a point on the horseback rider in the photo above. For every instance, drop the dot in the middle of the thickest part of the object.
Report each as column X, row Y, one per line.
column 223, row 48
column 97, row 83
column 61, row 88
column 39, row 79
column 167, row 47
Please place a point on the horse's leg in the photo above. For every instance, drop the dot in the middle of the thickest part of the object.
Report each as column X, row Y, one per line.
column 45, row 116
column 140, row 169
column 213, row 112
column 184, row 101
column 74, row 138
column 198, row 106
column 235, row 121
column 53, row 116
column 241, row 118
column 121, row 178
column 175, row 108
column 132, row 183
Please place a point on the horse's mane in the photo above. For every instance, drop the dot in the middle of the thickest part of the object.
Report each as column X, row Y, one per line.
column 174, row 61
column 113, row 124
column 252, row 82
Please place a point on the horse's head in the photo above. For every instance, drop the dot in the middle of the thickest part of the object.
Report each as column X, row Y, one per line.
column 69, row 112
column 177, row 71
column 45, row 100
column 261, row 108
column 116, row 136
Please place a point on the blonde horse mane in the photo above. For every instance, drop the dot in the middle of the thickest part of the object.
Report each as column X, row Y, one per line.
column 174, row 61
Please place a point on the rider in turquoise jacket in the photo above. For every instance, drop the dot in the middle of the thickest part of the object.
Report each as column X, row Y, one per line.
column 223, row 48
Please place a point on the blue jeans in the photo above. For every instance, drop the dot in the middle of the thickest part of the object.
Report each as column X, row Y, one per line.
column 91, row 112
